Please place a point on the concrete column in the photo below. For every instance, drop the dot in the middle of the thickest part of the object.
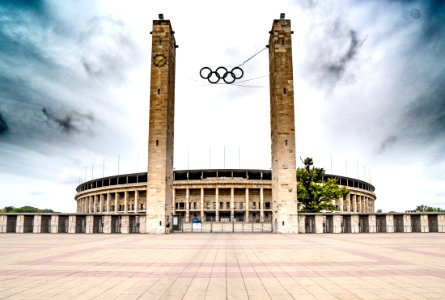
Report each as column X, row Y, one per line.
column 407, row 223
column 136, row 201
column 3, row 223
column 90, row 224
column 142, row 224
column 101, row 203
column 54, row 224
column 424, row 223
column 441, row 223
column 125, row 202
column 232, row 204
column 125, row 224
column 340, row 204
column 301, row 224
column 354, row 203
column 217, row 204
column 372, row 223
column 95, row 204
column 116, row 202
column 108, row 202
column 354, row 223
column 202, row 204
column 318, row 224
column 389, row 223
column 247, row 206
column 85, row 204
column 72, row 224
column 37, row 224
column 173, row 201
column 261, row 205
column 107, row 224
column 337, row 220
column 348, row 202
column 20, row 225
column 366, row 204
column 187, row 205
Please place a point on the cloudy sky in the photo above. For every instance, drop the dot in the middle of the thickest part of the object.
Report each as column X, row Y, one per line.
column 74, row 90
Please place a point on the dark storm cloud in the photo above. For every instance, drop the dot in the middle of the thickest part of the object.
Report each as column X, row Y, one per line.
column 69, row 122
column 109, row 50
column 3, row 125
column 387, row 142
column 54, row 76
column 332, row 45
column 336, row 68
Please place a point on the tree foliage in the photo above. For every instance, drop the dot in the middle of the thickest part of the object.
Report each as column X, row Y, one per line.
column 24, row 209
column 425, row 208
column 315, row 192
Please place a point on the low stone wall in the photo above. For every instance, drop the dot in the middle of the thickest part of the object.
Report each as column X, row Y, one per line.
column 308, row 223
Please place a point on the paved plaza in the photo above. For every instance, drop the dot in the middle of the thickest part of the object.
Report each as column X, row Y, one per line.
column 223, row 266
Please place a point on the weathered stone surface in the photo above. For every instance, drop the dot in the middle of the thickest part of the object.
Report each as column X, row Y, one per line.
column 284, row 184
column 161, row 128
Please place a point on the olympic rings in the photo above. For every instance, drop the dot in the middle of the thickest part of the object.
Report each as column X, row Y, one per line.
column 228, row 77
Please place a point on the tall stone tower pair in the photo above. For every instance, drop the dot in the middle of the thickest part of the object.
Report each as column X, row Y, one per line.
column 161, row 128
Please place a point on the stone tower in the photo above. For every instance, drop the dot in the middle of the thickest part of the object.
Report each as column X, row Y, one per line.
column 282, row 123
column 161, row 127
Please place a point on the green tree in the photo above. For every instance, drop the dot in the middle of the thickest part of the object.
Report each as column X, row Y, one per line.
column 426, row 208
column 315, row 192
column 25, row 209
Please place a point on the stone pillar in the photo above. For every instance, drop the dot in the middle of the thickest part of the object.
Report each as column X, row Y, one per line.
column 372, row 223
column 108, row 202
column 301, row 224
column 142, row 223
column 20, row 225
column 354, row 203
column 107, row 224
column 54, row 224
column 161, row 128
column 247, row 200
column 424, row 223
column 389, row 223
column 202, row 205
column 217, row 204
column 37, row 224
column 282, row 121
column 72, row 224
column 441, row 223
column 348, row 202
column 90, row 224
column 407, row 223
column 116, row 202
column 101, row 203
column 318, row 223
column 232, row 204
column 261, row 205
column 340, row 202
column 3, row 223
column 174, row 201
column 355, row 223
column 125, row 224
column 187, row 205
column 337, row 221
column 126, row 202
column 95, row 204
column 136, row 201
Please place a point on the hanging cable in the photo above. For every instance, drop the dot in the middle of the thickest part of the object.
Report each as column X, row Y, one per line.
column 243, row 63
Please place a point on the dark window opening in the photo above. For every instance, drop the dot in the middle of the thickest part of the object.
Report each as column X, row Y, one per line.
column 157, row 143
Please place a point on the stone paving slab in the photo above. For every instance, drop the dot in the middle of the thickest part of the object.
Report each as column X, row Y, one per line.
column 222, row 266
